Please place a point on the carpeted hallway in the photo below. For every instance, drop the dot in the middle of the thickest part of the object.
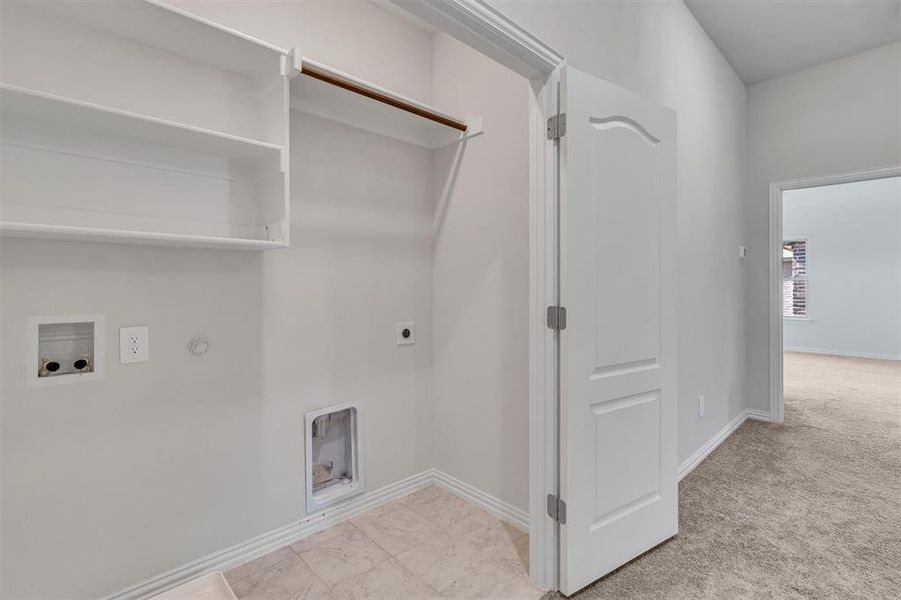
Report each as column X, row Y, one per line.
column 807, row 509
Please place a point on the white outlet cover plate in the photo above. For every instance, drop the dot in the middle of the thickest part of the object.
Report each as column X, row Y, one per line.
column 403, row 341
column 134, row 344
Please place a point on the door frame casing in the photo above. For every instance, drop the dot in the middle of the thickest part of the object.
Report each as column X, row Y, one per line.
column 777, row 382
column 488, row 31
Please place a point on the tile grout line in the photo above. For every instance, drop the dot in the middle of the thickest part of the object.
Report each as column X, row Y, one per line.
column 389, row 555
column 402, row 502
column 263, row 569
column 310, row 567
column 470, row 507
column 413, row 510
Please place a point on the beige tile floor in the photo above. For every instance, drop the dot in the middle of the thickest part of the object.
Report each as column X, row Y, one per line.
column 428, row 545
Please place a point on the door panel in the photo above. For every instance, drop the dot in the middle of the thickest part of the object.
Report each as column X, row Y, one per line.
column 627, row 442
column 626, row 247
column 618, row 352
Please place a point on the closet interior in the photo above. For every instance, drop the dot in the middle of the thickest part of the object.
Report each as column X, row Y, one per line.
column 138, row 123
column 132, row 122
column 178, row 137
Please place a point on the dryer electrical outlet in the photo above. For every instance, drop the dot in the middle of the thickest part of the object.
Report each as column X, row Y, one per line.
column 134, row 344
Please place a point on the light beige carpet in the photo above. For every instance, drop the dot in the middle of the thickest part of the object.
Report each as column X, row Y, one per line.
column 808, row 509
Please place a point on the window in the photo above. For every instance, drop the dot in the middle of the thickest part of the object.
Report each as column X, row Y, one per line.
column 794, row 278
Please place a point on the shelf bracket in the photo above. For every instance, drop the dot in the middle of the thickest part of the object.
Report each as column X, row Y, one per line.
column 291, row 64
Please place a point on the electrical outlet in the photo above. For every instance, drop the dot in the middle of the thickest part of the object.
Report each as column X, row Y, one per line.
column 406, row 333
column 700, row 407
column 134, row 344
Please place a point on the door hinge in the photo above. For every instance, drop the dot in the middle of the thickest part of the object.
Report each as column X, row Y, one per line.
column 556, row 126
column 556, row 509
column 556, row 317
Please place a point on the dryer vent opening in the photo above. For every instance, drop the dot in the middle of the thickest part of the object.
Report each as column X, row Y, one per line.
column 332, row 466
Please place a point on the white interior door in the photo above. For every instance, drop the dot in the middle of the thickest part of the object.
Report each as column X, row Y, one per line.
column 618, row 351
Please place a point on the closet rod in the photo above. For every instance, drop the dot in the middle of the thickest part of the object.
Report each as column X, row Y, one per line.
column 323, row 75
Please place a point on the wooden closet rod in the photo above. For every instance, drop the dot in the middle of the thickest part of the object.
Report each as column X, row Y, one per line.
column 322, row 75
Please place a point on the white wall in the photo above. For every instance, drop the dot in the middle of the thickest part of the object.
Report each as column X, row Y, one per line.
column 107, row 483
column 853, row 234
column 359, row 262
column 833, row 118
column 481, row 278
column 658, row 49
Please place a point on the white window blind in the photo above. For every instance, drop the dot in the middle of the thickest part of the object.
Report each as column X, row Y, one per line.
column 794, row 278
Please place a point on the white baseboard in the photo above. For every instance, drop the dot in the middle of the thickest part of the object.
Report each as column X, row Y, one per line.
column 759, row 415
column 689, row 464
column 233, row 556
column 277, row 538
column 505, row 512
column 849, row 354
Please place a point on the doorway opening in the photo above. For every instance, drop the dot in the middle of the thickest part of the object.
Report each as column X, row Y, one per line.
column 835, row 261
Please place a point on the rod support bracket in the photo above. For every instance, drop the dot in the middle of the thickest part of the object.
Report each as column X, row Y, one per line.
column 292, row 64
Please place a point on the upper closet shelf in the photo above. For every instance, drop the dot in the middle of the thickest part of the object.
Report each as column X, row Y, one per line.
column 124, row 236
column 155, row 23
column 19, row 103
column 132, row 122
column 328, row 93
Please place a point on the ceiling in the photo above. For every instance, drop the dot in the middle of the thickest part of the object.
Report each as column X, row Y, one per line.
column 767, row 38
column 398, row 11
